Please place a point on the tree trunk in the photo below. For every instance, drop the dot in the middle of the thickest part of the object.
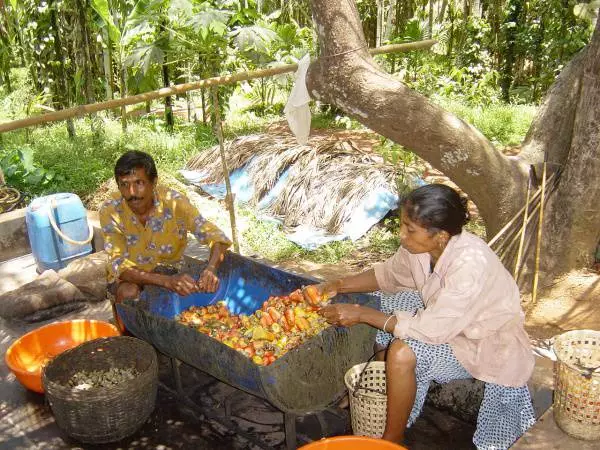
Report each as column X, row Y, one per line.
column 123, row 89
column 430, row 20
column 61, row 93
column 87, row 67
column 167, row 81
column 379, row 26
column 573, row 226
column 565, row 132
column 168, row 100
column 508, row 55
column 107, row 59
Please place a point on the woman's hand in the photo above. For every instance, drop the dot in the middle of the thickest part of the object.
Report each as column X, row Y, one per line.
column 208, row 281
column 325, row 291
column 342, row 314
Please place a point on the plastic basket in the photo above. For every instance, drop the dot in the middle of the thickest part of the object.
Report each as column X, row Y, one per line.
column 103, row 414
column 368, row 401
column 577, row 383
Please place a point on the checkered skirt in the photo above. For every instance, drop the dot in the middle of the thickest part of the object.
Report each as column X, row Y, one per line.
column 505, row 412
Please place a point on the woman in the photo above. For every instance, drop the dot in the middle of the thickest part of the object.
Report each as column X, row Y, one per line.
column 451, row 311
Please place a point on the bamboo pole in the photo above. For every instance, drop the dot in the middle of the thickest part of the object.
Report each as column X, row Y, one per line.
column 185, row 87
column 523, row 228
column 229, row 196
column 538, row 243
column 517, row 215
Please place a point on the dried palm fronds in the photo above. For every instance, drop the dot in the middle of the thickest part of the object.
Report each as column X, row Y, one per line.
column 327, row 180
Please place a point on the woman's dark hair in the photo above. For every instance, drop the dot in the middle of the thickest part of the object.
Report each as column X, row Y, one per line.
column 437, row 207
column 135, row 159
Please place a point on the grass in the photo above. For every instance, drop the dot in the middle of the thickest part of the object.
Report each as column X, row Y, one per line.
column 502, row 124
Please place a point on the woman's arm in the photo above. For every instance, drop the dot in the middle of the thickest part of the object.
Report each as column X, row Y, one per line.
column 361, row 282
column 346, row 315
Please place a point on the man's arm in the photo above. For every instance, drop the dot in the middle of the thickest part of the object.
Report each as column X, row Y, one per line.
column 182, row 284
column 209, row 282
column 115, row 243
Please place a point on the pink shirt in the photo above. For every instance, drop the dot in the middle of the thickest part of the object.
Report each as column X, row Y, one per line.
column 471, row 302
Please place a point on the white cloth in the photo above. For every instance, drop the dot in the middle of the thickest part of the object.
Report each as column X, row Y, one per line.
column 297, row 110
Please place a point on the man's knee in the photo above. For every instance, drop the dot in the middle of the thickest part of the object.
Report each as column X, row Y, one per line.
column 126, row 291
column 400, row 355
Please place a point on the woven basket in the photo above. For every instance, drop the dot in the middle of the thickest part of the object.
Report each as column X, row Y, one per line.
column 577, row 385
column 103, row 414
column 368, row 401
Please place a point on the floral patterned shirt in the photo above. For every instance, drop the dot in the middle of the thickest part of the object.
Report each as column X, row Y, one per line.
column 161, row 241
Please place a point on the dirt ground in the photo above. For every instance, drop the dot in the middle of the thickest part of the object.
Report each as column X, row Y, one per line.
column 572, row 301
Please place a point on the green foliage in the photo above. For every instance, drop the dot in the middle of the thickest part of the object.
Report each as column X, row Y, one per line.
column 21, row 172
column 82, row 164
column 267, row 239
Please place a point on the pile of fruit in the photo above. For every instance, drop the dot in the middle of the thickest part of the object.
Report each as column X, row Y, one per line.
column 280, row 325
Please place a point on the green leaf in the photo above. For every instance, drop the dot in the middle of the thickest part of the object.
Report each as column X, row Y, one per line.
column 209, row 18
column 138, row 30
column 101, row 7
column 180, row 8
column 145, row 56
column 586, row 10
column 26, row 157
column 35, row 177
column 255, row 38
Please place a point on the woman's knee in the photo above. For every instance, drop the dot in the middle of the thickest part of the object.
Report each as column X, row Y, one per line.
column 127, row 291
column 401, row 355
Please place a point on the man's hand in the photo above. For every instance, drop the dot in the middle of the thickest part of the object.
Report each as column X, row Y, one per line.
column 343, row 314
column 208, row 281
column 182, row 284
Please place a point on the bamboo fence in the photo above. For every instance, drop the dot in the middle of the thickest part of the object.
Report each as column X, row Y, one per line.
column 81, row 110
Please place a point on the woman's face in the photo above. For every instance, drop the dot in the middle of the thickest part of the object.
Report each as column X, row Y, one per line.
column 415, row 238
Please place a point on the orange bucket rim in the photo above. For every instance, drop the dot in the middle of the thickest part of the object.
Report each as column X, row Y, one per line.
column 350, row 439
column 13, row 345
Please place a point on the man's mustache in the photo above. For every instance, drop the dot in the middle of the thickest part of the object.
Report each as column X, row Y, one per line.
column 130, row 199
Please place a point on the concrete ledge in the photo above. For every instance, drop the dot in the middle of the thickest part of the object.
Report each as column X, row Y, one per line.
column 14, row 241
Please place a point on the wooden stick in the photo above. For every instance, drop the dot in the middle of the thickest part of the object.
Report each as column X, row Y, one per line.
column 182, row 88
column 505, row 249
column 523, row 228
column 517, row 215
column 229, row 196
column 538, row 243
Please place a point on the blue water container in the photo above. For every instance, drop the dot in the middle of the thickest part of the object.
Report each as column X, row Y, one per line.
column 58, row 230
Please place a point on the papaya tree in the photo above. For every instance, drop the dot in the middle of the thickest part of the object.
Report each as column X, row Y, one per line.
column 565, row 133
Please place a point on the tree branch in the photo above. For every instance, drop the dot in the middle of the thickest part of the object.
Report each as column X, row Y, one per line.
column 346, row 75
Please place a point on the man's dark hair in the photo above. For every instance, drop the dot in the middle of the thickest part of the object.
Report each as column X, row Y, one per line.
column 437, row 207
column 135, row 159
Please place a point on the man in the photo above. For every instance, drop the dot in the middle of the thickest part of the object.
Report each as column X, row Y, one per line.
column 145, row 229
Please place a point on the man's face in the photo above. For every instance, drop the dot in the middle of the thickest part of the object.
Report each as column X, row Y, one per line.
column 137, row 190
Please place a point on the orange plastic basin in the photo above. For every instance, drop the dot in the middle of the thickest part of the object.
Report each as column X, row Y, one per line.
column 352, row 443
column 27, row 355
